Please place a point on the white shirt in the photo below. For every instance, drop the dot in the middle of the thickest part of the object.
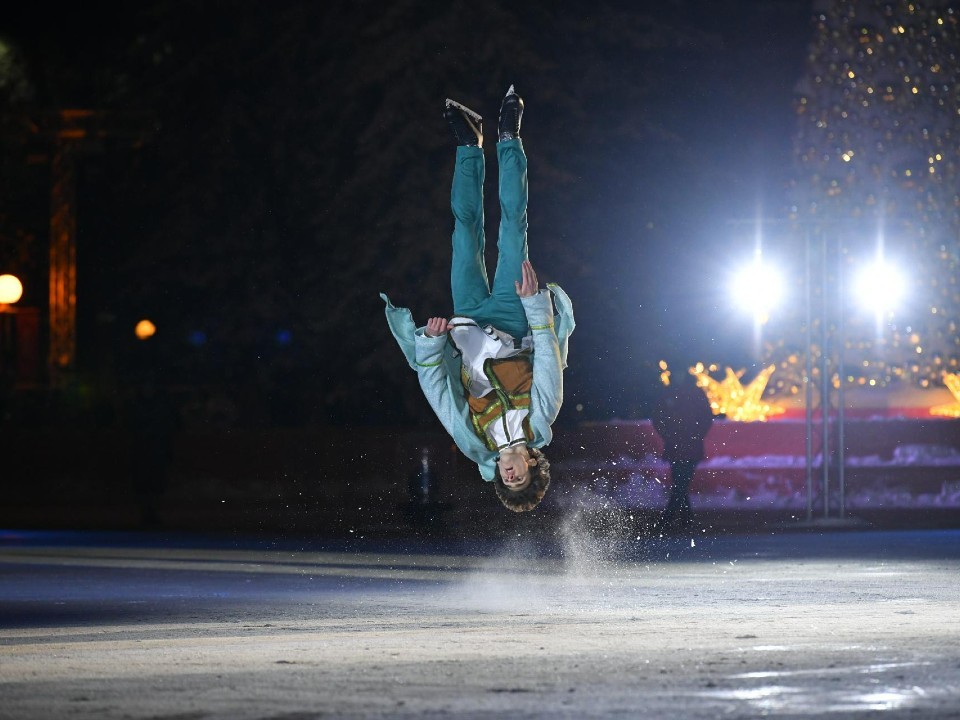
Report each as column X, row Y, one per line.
column 477, row 345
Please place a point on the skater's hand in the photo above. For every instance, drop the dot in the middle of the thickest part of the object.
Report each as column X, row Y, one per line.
column 529, row 287
column 437, row 326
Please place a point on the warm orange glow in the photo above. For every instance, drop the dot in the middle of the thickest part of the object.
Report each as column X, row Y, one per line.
column 729, row 397
column 952, row 381
column 145, row 329
column 664, row 372
column 11, row 289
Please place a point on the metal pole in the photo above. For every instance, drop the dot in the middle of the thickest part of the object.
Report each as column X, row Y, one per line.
column 824, row 378
column 808, row 379
column 841, row 370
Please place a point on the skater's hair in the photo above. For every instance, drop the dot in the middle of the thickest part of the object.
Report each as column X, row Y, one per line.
column 530, row 496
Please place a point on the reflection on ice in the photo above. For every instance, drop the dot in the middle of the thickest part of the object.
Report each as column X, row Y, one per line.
column 858, row 669
column 766, row 698
column 888, row 700
column 813, row 697
column 760, row 696
column 853, row 669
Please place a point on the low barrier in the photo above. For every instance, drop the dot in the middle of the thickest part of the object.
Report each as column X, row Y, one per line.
column 322, row 478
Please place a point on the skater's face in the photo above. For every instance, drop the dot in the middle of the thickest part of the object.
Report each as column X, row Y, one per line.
column 514, row 465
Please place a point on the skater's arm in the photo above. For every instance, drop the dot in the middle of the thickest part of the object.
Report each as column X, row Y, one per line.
column 452, row 411
column 436, row 326
column 547, row 393
column 529, row 286
column 432, row 373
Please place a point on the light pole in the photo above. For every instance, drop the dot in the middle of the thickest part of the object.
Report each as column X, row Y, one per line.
column 11, row 290
column 832, row 297
column 878, row 287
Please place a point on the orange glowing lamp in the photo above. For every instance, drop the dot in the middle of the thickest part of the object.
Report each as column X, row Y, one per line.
column 11, row 289
column 145, row 330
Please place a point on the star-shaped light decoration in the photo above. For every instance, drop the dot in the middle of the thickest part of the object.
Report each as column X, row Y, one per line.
column 952, row 381
column 729, row 397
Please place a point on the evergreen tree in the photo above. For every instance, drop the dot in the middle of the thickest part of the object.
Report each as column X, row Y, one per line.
column 878, row 156
column 298, row 164
column 19, row 183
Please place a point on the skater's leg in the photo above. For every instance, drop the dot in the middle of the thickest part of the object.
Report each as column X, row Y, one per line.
column 506, row 312
column 677, row 515
column 468, row 270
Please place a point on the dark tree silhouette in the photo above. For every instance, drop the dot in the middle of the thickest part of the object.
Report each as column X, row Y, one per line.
column 298, row 165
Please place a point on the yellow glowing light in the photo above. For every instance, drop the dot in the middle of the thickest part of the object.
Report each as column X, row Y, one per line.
column 11, row 289
column 729, row 397
column 145, row 329
column 952, row 381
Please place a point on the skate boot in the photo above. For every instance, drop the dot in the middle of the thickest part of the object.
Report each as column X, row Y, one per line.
column 510, row 113
column 466, row 125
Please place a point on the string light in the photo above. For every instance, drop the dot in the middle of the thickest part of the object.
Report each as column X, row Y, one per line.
column 730, row 398
column 952, row 381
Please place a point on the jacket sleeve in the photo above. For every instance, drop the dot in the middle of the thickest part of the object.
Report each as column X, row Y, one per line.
column 432, row 374
column 546, row 396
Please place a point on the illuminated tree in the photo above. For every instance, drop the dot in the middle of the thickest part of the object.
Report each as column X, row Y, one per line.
column 878, row 155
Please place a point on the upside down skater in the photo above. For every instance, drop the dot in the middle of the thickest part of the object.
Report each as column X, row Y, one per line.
column 493, row 372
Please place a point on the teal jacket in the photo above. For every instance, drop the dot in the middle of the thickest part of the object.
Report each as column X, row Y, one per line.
column 438, row 370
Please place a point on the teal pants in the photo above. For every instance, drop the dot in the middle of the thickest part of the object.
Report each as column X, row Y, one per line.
column 472, row 296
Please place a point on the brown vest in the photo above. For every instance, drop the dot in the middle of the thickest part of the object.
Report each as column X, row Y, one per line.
column 511, row 379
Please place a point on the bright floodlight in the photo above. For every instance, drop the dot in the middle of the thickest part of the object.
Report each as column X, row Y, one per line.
column 880, row 287
column 757, row 289
column 11, row 289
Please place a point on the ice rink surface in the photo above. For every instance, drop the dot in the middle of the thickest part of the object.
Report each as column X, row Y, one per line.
column 822, row 623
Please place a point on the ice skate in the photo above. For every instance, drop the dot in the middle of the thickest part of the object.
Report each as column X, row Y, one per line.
column 466, row 125
column 511, row 110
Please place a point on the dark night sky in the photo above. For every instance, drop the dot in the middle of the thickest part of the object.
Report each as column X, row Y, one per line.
column 656, row 228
